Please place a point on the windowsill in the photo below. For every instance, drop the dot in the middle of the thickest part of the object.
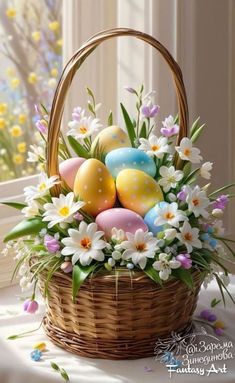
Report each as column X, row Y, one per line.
column 17, row 367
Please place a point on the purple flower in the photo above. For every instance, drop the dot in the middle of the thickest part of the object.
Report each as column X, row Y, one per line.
column 212, row 318
column 221, row 202
column 150, row 111
column 172, row 131
column 41, row 126
column 204, row 314
column 185, row 260
column 37, row 109
column 218, row 331
column 67, row 267
column 129, row 89
column 30, row 306
column 182, row 196
column 77, row 113
column 78, row 216
column 51, row 244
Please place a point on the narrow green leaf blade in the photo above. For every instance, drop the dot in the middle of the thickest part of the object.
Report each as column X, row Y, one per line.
column 77, row 147
column 26, row 227
column 64, row 374
column 215, row 302
column 153, row 274
column 110, row 118
column 143, row 131
column 55, row 366
column 185, row 276
column 197, row 134
column 194, row 127
column 129, row 125
column 80, row 273
column 15, row 205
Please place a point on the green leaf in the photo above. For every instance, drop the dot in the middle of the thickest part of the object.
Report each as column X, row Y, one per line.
column 222, row 189
column 26, row 227
column 90, row 93
column 55, row 366
column 129, row 125
column 80, row 273
column 215, row 302
column 197, row 133
column 64, row 374
column 110, row 118
column 176, row 119
column 15, row 205
column 78, row 148
column 143, row 131
column 91, row 108
column 194, row 127
column 187, row 169
column 153, row 274
column 185, row 276
column 191, row 175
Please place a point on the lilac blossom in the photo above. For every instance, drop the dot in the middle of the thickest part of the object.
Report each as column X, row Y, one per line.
column 221, row 202
column 129, row 89
column 30, row 306
column 182, row 195
column 51, row 243
column 185, row 260
column 41, row 126
column 169, row 127
column 77, row 114
column 149, row 110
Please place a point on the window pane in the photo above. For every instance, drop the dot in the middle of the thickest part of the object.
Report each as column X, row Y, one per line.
column 30, row 63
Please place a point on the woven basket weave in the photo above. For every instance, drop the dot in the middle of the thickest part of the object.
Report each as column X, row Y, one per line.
column 114, row 319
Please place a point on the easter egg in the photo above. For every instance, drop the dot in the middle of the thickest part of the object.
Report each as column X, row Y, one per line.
column 124, row 219
column 111, row 138
column 151, row 216
column 129, row 158
column 95, row 186
column 68, row 170
column 137, row 191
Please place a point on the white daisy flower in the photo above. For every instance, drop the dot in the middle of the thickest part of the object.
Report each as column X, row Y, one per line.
column 154, row 146
column 170, row 177
column 206, row 169
column 168, row 213
column 37, row 154
column 139, row 247
column 45, row 184
column 83, row 128
column 197, row 202
column 31, row 210
column 187, row 152
column 164, row 265
column 61, row 210
column 84, row 244
column 189, row 236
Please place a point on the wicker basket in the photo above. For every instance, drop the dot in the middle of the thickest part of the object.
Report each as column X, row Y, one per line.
column 114, row 319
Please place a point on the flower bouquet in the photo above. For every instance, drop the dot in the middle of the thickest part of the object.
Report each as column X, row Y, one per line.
column 119, row 234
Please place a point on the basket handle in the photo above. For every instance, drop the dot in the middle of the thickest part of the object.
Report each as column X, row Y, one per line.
column 67, row 76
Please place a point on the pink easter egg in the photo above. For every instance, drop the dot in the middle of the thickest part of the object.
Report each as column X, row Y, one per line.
column 124, row 219
column 68, row 169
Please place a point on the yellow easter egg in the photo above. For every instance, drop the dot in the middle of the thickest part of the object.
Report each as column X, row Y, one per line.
column 95, row 186
column 137, row 191
column 111, row 138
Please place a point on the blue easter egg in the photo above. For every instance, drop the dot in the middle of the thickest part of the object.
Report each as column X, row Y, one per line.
column 129, row 158
column 150, row 218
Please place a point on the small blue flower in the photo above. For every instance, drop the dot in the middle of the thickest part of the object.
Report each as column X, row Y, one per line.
column 210, row 230
column 213, row 243
column 205, row 237
column 130, row 266
column 36, row 355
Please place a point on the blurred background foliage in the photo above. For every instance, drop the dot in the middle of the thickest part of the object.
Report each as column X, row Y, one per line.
column 30, row 63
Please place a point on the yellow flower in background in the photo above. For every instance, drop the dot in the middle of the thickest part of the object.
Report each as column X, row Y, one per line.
column 3, row 108
column 22, row 118
column 18, row 159
column 59, row 42
column 36, row 36
column 32, row 78
column 15, row 82
column 11, row 13
column 10, row 72
column 54, row 26
column 21, row 147
column 54, row 72
column 16, row 131
column 2, row 123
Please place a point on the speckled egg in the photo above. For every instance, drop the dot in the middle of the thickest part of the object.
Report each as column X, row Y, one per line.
column 95, row 185
column 129, row 158
column 137, row 191
column 124, row 219
column 68, row 170
column 111, row 138
column 150, row 218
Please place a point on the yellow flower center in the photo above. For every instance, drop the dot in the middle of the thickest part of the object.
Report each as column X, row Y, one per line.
column 85, row 243
column 42, row 186
column 195, row 202
column 187, row 152
column 16, row 131
column 155, row 148
column 141, row 247
column 64, row 211
column 188, row 237
column 169, row 215
column 83, row 129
